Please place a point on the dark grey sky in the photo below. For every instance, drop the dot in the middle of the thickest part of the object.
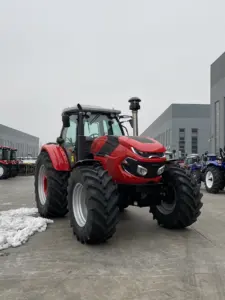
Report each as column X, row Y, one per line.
column 54, row 54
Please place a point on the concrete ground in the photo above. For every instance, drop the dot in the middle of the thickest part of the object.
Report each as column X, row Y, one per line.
column 142, row 261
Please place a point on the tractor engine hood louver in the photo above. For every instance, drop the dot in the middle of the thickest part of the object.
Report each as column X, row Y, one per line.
column 144, row 145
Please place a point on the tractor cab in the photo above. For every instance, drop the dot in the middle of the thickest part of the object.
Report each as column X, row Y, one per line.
column 82, row 125
column 14, row 170
column 190, row 160
column 13, row 156
column 6, row 154
column 5, row 163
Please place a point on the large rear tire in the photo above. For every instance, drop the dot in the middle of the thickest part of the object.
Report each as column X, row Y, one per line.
column 93, row 204
column 213, row 180
column 50, row 188
column 181, row 202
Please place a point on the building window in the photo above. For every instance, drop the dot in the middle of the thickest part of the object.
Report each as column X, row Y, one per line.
column 182, row 141
column 217, row 126
column 169, row 137
column 166, row 142
column 194, row 140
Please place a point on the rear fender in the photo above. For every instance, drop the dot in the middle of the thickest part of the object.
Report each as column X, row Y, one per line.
column 58, row 157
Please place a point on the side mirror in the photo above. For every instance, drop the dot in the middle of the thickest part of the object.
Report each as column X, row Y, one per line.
column 60, row 140
column 131, row 123
column 66, row 121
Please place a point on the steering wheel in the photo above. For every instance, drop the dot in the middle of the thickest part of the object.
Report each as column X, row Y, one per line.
column 93, row 135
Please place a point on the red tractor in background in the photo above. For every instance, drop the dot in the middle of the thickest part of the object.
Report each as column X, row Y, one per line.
column 14, row 169
column 5, row 163
column 94, row 170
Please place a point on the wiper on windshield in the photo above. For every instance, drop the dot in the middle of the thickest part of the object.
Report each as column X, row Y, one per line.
column 95, row 118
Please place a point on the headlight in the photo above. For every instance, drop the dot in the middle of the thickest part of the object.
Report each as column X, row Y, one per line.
column 141, row 170
column 160, row 170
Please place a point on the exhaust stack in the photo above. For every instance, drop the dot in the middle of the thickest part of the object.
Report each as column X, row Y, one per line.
column 134, row 107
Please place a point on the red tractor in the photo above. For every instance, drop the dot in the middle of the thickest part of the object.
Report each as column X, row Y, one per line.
column 94, row 170
column 14, row 170
column 5, row 164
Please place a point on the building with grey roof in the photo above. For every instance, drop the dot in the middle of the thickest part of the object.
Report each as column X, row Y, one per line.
column 217, row 100
column 183, row 127
column 25, row 144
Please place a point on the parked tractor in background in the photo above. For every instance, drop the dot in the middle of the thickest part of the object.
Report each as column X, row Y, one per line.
column 14, row 168
column 169, row 155
column 193, row 167
column 214, row 172
column 5, row 163
column 94, row 170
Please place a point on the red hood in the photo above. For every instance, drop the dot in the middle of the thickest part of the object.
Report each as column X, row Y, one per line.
column 141, row 143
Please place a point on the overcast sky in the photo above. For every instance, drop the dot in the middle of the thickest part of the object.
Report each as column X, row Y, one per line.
column 54, row 54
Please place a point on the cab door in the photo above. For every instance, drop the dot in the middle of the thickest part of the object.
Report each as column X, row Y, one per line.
column 69, row 136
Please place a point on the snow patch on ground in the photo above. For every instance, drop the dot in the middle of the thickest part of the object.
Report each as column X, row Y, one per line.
column 17, row 225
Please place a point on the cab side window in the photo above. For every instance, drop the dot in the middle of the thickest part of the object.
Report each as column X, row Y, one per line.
column 70, row 134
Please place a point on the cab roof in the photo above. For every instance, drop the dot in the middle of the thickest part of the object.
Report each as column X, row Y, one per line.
column 5, row 147
column 91, row 109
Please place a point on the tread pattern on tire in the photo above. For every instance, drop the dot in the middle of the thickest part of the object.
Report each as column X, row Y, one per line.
column 56, row 202
column 103, row 201
column 188, row 205
column 217, row 180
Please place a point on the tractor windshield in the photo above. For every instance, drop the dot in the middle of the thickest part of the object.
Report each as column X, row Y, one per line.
column 102, row 124
column 1, row 152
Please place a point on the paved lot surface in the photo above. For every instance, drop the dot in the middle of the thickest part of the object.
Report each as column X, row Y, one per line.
column 142, row 261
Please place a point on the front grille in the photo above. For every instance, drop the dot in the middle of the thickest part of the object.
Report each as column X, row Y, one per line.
column 152, row 167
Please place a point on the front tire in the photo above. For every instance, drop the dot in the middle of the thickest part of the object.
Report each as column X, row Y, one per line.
column 50, row 188
column 4, row 172
column 181, row 203
column 196, row 175
column 213, row 180
column 93, row 204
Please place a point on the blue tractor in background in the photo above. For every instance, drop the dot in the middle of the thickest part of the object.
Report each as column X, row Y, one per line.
column 193, row 166
column 213, row 172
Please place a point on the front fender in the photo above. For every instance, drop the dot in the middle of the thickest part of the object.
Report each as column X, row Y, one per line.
column 213, row 163
column 58, row 157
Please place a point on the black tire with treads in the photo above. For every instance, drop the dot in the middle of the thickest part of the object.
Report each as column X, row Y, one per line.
column 57, row 181
column 101, row 197
column 188, row 200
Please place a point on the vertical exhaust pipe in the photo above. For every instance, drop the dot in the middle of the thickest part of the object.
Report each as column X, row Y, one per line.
column 134, row 107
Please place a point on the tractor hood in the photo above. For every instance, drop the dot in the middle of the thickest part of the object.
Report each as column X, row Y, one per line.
column 141, row 143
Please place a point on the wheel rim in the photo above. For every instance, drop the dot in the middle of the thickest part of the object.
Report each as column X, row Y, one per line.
column 79, row 204
column 1, row 171
column 167, row 208
column 209, row 179
column 42, row 185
